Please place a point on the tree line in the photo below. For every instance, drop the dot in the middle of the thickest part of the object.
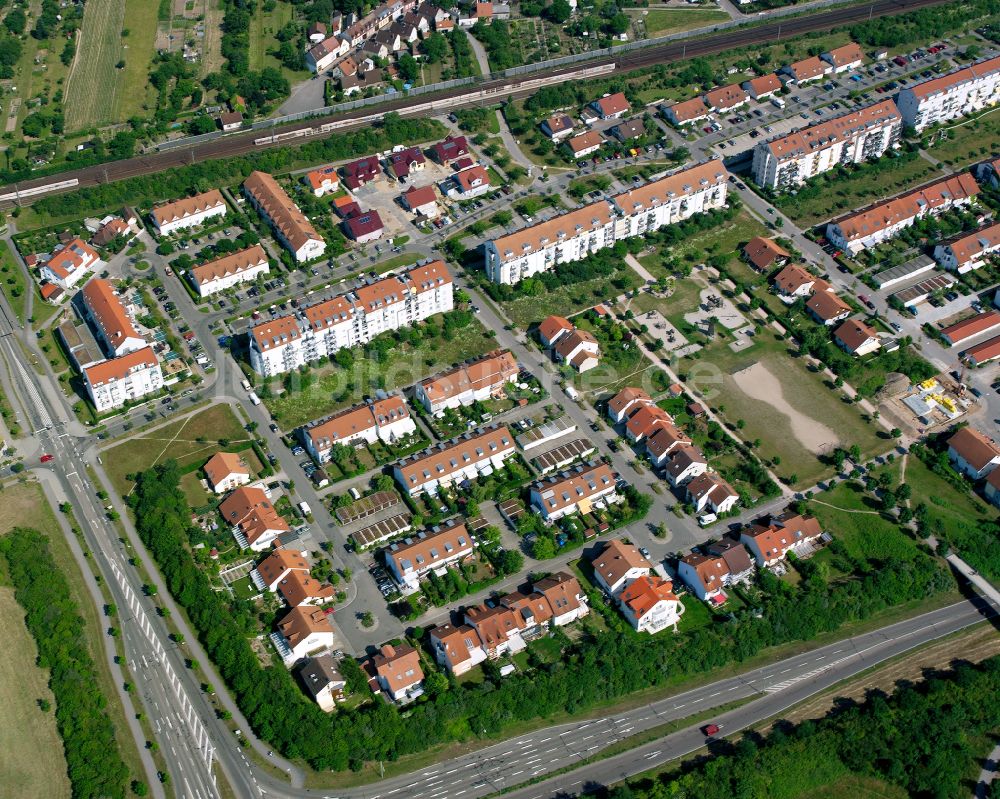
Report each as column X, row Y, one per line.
column 93, row 759
column 596, row 669
column 177, row 182
column 923, row 739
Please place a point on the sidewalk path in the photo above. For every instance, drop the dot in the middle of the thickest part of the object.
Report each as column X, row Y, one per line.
column 480, row 51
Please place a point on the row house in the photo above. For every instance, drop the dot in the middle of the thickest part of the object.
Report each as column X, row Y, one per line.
column 171, row 217
column 112, row 383
column 724, row 563
column 726, row 98
column 880, row 222
column 626, row 402
column 69, row 264
column 965, row 253
column 349, row 320
column 845, row 58
column 471, row 382
column 286, row 572
column 807, row 70
column 771, row 541
column 763, row 87
column 414, row 557
column 579, row 233
column 104, row 311
column 324, row 54
column 386, row 420
column 250, row 513
column 231, row 270
column 579, row 489
column 788, row 161
column 464, row 458
column 951, row 96
column 291, row 227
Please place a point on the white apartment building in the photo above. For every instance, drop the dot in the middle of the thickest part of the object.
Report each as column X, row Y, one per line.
column 586, row 230
column 671, row 199
column 191, row 211
column 954, row 95
column 291, row 227
column 969, row 252
column 880, row 222
column 471, row 382
column 386, row 420
column 288, row 342
column 112, row 383
column 412, row 558
column 231, row 270
column 578, row 489
column 464, row 458
column 563, row 239
column 789, row 161
column 324, row 54
column 70, row 264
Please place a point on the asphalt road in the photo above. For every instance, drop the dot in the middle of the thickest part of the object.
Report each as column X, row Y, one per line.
column 229, row 146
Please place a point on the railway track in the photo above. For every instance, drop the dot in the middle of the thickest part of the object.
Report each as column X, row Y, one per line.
column 229, row 146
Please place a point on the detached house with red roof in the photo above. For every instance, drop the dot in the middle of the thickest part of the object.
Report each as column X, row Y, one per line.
column 226, row 471
column 972, row 453
column 69, row 264
column 650, row 605
column 612, row 106
column 857, row 337
column 825, row 306
column 579, row 349
column 450, row 149
column 422, row 201
column 762, row 253
column 709, row 492
column 404, row 162
column 363, row 226
column 323, row 181
column 361, row 172
column 619, row 564
column 397, row 670
column 468, row 183
column 724, row 563
column 302, row 632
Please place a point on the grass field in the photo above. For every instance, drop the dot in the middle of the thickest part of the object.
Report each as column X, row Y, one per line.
column 93, row 89
column 336, row 388
column 263, row 27
column 139, row 45
column 178, row 440
column 26, row 506
column 856, row 191
column 801, row 389
column 967, row 141
column 28, row 730
column 663, row 21
column 567, row 300
column 211, row 60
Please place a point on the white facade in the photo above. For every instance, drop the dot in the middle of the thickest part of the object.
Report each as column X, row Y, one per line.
column 386, row 420
column 957, row 94
column 579, row 233
column 110, row 384
column 319, row 331
column 188, row 213
column 466, row 458
column 789, row 161
column 230, row 271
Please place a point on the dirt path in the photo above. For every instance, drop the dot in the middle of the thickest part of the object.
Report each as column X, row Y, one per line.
column 758, row 383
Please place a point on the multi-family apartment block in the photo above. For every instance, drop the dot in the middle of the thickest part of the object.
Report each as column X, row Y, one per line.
column 228, row 271
column 956, row 94
column 386, row 419
column 171, row 217
column 579, row 489
column 851, row 138
column 464, row 458
column 70, row 264
column 412, row 558
column 968, row 252
column 109, row 320
column 586, row 230
column 882, row 221
column 348, row 320
column 291, row 227
column 112, row 383
column 470, row 382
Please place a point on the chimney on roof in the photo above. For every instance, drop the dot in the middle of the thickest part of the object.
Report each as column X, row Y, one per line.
column 389, row 651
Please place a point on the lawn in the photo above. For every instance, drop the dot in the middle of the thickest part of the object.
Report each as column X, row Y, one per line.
column 726, row 238
column 140, row 21
column 862, row 530
column 26, row 506
column 29, row 730
column 569, row 299
column 664, row 21
column 177, row 440
column 840, row 194
column 335, row 387
column 943, row 500
column 13, row 282
column 99, row 48
column 967, row 140
column 809, row 402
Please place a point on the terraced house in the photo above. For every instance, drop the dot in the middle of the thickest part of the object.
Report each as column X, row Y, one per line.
column 789, row 161
column 386, row 419
column 579, row 233
column 880, row 222
column 348, row 320
column 464, row 458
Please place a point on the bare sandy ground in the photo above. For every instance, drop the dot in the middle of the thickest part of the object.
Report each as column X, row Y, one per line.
column 759, row 383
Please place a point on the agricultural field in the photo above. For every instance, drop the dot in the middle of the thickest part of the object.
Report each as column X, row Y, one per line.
column 660, row 22
column 26, row 506
column 94, row 87
column 187, row 440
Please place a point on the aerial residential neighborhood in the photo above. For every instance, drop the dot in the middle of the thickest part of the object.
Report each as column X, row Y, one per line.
column 541, row 399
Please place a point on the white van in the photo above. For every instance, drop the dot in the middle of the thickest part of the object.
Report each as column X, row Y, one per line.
column 246, row 385
column 707, row 519
column 777, row 102
column 254, row 398
column 304, row 507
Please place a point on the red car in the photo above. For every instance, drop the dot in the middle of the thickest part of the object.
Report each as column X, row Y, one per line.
column 711, row 729
column 47, row 457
